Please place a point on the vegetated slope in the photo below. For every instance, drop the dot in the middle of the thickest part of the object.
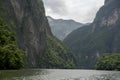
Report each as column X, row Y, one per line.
column 56, row 55
column 27, row 19
column 61, row 28
column 109, row 62
column 102, row 36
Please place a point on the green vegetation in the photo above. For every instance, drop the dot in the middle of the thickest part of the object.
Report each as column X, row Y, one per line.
column 56, row 55
column 31, row 36
column 89, row 42
column 11, row 57
column 108, row 62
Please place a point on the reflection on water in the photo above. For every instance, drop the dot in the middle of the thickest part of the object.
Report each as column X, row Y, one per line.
column 20, row 74
column 55, row 74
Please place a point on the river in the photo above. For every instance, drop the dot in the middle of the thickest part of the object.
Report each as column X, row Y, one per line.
column 58, row 74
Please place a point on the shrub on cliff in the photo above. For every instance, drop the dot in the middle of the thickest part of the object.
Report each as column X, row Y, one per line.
column 11, row 57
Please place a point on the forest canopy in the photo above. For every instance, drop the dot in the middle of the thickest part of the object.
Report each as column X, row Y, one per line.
column 109, row 62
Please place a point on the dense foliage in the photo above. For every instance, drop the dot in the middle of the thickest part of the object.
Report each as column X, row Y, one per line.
column 56, row 55
column 11, row 57
column 109, row 62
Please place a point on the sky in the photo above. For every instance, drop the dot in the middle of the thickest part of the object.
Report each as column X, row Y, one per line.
column 83, row 11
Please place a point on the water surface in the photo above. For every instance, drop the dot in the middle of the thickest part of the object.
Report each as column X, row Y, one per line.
column 58, row 74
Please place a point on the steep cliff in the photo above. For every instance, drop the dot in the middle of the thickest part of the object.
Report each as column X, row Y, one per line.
column 107, row 1
column 27, row 19
column 102, row 36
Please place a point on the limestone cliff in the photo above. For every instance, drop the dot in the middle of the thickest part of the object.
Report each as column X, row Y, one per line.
column 27, row 19
column 102, row 36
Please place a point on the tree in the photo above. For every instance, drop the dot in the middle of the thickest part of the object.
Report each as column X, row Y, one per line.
column 108, row 62
column 11, row 57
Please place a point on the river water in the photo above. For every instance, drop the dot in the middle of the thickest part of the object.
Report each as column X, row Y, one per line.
column 58, row 74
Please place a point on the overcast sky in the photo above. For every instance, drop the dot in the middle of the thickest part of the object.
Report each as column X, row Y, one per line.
column 83, row 11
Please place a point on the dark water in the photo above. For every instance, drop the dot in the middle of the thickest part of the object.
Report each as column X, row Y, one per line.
column 56, row 74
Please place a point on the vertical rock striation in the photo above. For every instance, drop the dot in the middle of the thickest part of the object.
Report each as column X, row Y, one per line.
column 27, row 19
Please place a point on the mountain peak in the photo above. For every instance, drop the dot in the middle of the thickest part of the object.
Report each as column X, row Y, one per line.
column 61, row 28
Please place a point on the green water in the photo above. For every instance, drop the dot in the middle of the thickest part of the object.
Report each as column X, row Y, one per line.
column 57, row 74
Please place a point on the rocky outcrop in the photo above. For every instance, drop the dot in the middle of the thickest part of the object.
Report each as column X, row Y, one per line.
column 108, row 15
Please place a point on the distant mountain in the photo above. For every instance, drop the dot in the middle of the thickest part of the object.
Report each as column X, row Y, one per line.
column 61, row 28
column 102, row 36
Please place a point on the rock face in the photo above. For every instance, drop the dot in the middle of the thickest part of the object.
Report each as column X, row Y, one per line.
column 102, row 36
column 61, row 28
column 27, row 19
column 108, row 1
column 108, row 15
column 22, row 16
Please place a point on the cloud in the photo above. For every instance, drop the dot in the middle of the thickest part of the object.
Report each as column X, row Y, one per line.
column 80, row 10
column 55, row 6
